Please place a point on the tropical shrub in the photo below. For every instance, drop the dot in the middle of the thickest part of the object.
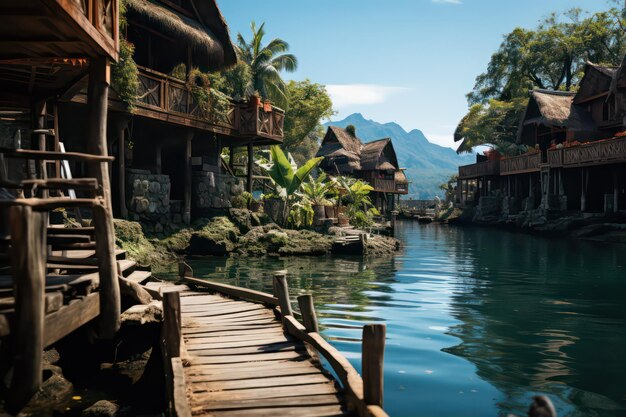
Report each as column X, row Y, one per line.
column 125, row 75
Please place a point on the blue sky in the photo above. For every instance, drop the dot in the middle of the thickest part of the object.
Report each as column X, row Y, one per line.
column 406, row 61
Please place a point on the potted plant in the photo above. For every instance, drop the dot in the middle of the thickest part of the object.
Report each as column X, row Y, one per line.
column 315, row 190
column 255, row 100
column 267, row 106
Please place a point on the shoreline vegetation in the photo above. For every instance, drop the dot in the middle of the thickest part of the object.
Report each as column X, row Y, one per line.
column 240, row 233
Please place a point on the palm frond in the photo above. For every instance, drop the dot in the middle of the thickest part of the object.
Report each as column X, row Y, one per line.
column 286, row 62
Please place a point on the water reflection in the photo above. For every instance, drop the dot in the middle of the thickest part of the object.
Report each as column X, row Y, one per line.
column 477, row 320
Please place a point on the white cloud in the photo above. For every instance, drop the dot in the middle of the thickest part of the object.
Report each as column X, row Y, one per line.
column 346, row 95
column 448, row 1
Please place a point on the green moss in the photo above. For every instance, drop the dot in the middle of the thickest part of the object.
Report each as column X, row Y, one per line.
column 178, row 242
column 130, row 237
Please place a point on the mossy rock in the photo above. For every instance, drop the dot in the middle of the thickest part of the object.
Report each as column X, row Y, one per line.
column 130, row 237
column 217, row 237
column 178, row 242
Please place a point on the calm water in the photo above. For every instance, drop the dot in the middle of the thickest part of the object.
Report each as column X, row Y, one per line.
column 478, row 321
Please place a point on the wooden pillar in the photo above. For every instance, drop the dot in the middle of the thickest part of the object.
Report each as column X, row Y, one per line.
column 172, row 324
column 188, row 179
column 97, row 112
column 307, row 309
column 231, row 159
column 121, row 167
column 281, row 289
column 57, row 146
column 110, row 305
column 583, row 191
column 40, row 124
column 28, row 259
column 218, row 159
column 157, row 158
column 250, row 168
column 615, row 190
column 372, row 363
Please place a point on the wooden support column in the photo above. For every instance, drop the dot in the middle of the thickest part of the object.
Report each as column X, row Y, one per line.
column 188, row 179
column 172, row 323
column 372, row 363
column 40, row 124
column 282, row 293
column 157, row 158
column 615, row 190
column 57, row 140
column 583, row 191
column 249, row 171
column 97, row 112
column 231, row 159
column 28, row 258
column 307, row 309
column 121, row 164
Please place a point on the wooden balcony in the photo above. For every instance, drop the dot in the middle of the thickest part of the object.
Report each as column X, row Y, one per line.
column 521, row 164
column 389, row 186
column 480, row 169
column 594, row 153
column 555, row 158
column 169, row 99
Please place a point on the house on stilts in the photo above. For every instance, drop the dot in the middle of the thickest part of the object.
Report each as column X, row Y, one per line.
column 374, row 162
column 576, row 160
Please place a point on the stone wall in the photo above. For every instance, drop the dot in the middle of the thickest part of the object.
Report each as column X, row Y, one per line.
column 149, row 199
column 212, row 191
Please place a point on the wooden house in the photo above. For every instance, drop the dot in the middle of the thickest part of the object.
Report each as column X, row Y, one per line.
column 168, row 145
column 48, row 46
column 374, row 162
column 576, row 152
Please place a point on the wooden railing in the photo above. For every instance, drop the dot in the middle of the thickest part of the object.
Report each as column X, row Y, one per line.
column 520, row 164
column 555, row 158
column 480, row 169
column 402, row 188
column 101, row 15
column 595, row 153
column 384, row 185
column 363, row 395
column 162, row 92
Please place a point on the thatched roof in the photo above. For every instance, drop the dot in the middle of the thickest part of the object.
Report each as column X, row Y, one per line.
column 373, row 155
column 603, row 69
column 400, row 177
column 556, row 109
column 214, row 51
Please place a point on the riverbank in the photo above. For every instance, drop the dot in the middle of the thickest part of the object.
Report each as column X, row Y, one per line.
column 584, row 226
column 241, row 233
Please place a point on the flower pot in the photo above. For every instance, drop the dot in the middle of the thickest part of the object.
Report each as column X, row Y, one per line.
column 267, row 107
column 319, row 214
column 343, row 220
column 330, row 212
column 255, row 101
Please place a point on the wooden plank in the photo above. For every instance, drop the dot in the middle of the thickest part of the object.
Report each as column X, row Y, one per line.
column 180, row 403
column 282, row 381
column 195, row 327
column 233, row 291
column 70, row 317
column 216, row 310
column 222, row 367
column 49, row 204
column 298, row 401
column 267, row 372
column 311, row 411
column 202, row 332
column 263, row 393
column 242, row 341
column 231, row 315
column 54, row 156
column 248, row 350
column 245, row 359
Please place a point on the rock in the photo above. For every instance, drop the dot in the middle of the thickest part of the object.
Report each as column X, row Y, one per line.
column 142, row 314
column 242, row 218
column 217, row 237
column 54, row 394
column 154, row 187
column 102, row 408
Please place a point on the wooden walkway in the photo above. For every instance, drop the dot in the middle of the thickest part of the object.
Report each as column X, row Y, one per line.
column 239, row 352
column 242, row 364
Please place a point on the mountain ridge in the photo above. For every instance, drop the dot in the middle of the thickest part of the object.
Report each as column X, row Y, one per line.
column 427, row 164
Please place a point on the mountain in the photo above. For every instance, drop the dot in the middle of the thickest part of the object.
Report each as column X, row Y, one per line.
column 427, row 165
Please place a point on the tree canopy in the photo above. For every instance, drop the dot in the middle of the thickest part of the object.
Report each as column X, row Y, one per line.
column 308, row 104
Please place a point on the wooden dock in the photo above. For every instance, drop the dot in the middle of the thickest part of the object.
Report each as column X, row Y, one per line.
column 245, row 354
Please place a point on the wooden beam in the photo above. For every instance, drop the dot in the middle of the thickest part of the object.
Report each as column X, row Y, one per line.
column 372, row 363
column 28, row 262
column 233, row 291
column 188, row 178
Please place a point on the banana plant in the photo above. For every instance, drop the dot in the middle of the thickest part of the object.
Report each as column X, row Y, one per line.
column 316, row 189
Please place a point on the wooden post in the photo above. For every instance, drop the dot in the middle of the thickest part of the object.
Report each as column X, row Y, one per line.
column 372, row 363
column 40, row 124
column 307, row 309
column 615, row 190
column 57, row 146
column 28, row 254
column 187, row 201
column 110, row 304
column 282, row 293
column 250, row 168
column 231, row 159
column 121, row 164
column 172, row 324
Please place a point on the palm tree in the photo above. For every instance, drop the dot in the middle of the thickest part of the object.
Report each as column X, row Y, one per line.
column 266, row 63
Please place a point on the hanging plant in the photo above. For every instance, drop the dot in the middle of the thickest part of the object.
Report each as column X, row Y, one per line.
column 125, row 75
column 213, row 104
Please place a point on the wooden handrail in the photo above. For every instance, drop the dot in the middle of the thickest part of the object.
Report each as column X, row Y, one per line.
column 54, row 156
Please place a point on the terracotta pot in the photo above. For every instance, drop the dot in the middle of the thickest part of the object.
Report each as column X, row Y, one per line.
column 255, row 101
column 267, row 107
column 330, row 212
column 319, row 214
column 343, row 220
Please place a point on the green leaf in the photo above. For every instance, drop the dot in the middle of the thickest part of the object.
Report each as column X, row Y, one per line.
column 281, row 170
column 302, row 173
